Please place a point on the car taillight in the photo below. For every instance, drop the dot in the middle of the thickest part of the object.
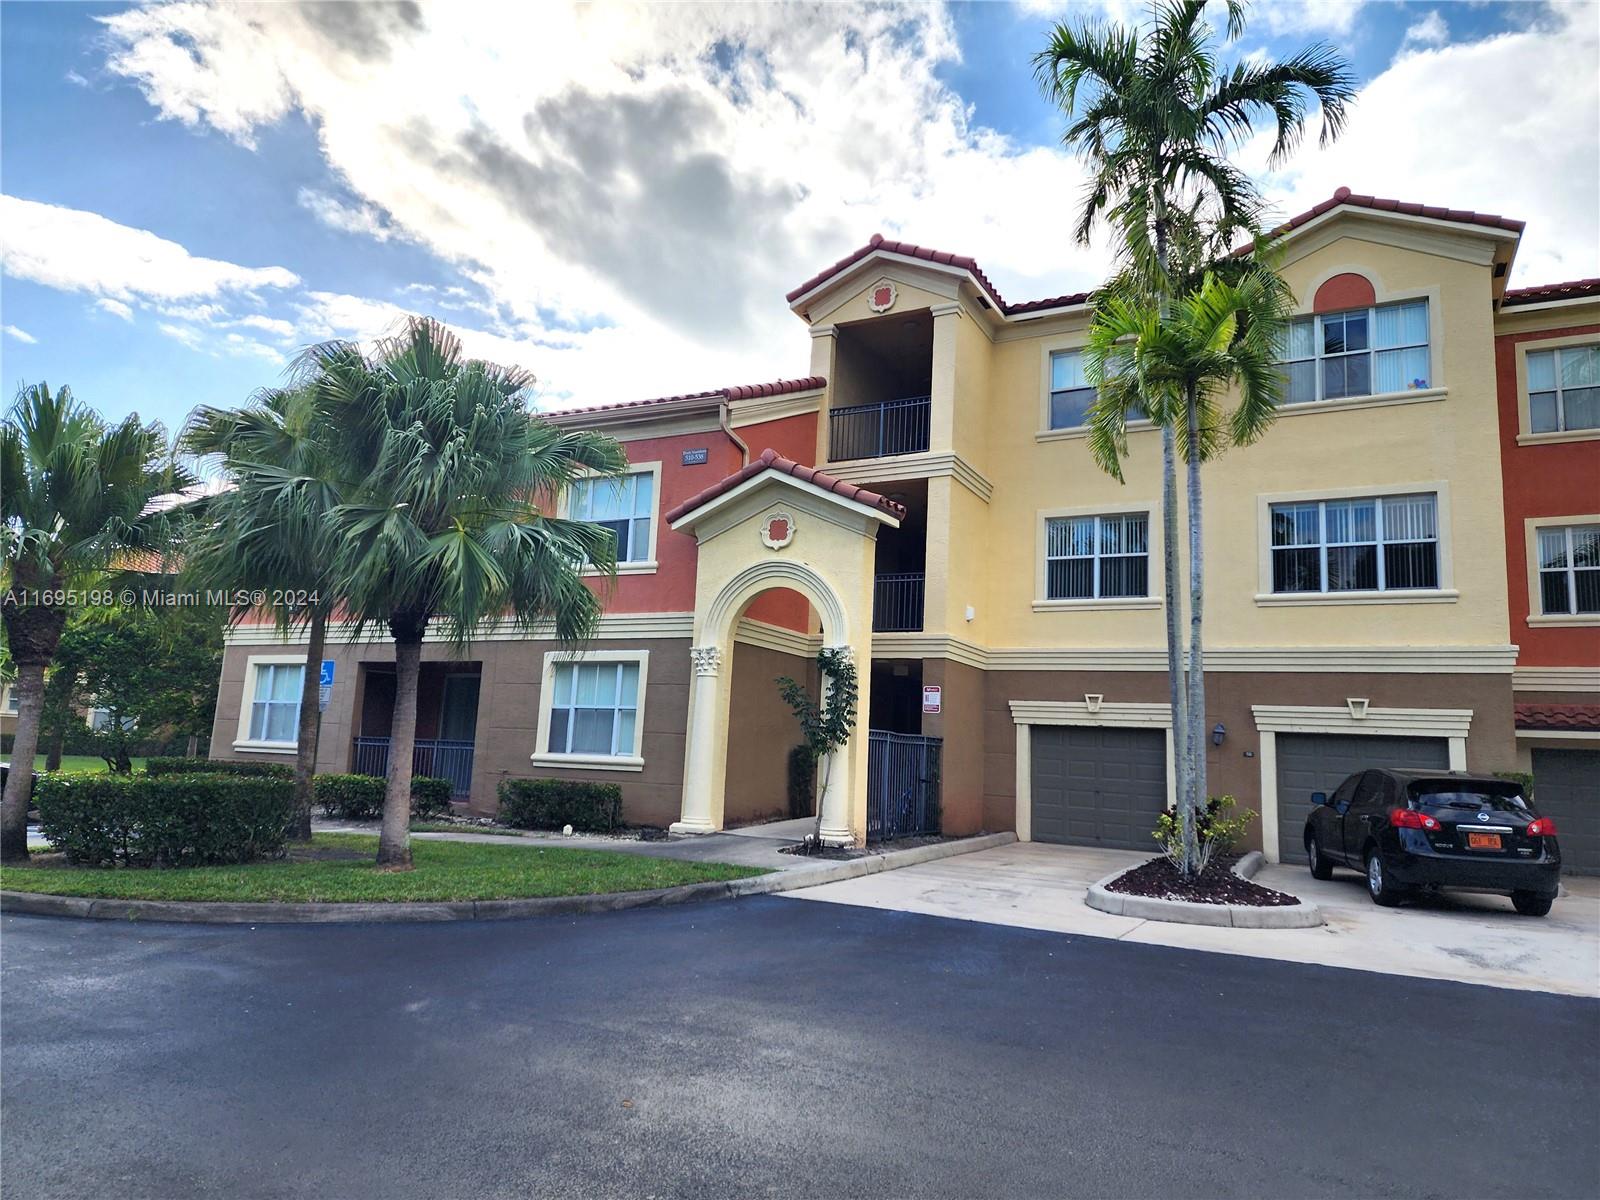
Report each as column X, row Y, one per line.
column 1542, row 827
column 1406, row 818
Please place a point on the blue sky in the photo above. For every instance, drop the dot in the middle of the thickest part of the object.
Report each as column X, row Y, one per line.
column 618, row 199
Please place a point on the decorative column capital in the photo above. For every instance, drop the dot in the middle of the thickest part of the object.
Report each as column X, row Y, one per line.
column 707, row 659
column 846, row 653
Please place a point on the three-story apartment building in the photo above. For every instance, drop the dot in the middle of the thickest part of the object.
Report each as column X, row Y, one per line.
column 926, row 502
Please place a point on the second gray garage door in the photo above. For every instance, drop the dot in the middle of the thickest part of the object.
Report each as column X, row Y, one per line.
column 1566, row 788
column 1098, row 787
column 1320, row 762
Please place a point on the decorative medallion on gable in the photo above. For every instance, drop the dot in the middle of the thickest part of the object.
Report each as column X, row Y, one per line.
column 883, row 296
column 777, row 531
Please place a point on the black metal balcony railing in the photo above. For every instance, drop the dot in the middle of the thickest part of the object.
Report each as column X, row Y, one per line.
column 439, row 759
column 877, row 430
column 897, row 602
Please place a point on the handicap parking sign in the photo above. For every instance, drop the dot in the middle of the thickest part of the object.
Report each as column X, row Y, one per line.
column 325, row 685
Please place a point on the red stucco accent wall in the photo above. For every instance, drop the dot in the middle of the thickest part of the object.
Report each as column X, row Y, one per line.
column 1556, row 479
column 1348, row 290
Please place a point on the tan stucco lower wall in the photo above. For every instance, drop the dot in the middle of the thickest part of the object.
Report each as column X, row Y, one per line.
column 1234, row 768
column 761, row 731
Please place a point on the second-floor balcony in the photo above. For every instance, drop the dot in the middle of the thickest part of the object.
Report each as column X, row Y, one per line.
column 897, row 602
column 880, row 429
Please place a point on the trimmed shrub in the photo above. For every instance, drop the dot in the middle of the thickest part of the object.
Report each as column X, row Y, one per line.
column 217, row 766
column 553, row 803
column 350, row 797
column 430, row 797
column 166, row 820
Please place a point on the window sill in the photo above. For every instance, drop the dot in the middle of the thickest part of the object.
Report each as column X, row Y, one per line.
column 1420, row 596
column 1555, row 439
column 1377, row 400
column 267, row 747
column 1078, row 432
column 588, row 762
column 1545, row 621
column 1129, row 602
column 647, row 567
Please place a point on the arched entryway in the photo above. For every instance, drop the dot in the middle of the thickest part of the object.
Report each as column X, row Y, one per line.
column 772, row 526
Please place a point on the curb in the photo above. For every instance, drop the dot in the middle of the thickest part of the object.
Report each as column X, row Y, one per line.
column 1304, row 915
column 219, row 912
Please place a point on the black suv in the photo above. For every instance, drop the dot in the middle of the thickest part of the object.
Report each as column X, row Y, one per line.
column 1411, row 829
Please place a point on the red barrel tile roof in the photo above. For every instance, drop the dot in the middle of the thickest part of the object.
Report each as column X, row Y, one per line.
column 1558, row 716
column 771, row 460
column 1573, row 289
column 743, row 391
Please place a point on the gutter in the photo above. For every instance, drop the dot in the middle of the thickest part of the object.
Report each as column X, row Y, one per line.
column 724, row 419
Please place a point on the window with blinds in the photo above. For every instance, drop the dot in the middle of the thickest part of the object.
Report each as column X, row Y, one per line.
column 1363, row 352
column 1378, row 544
column 1100, row 557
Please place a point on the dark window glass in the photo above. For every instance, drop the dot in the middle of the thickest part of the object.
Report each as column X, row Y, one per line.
column 1070, row 409
column 1296, row 570
column 1352, row 568
column 1071, row 579
column 1411, row 565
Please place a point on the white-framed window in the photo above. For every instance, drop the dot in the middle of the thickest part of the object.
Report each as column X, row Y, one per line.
column 1361, row 352
column 624, row 505
column 99, row 720
column 1365, row 544
column 591, row 709
column 1569, row 569
column 1563, row 389
column 1097, row 557
column 1070, row 393
column 8, row 704
column 275, row 702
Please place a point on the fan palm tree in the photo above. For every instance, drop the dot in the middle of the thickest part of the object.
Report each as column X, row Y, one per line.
column 1155, row 115
column 75, row 498
column 448, row 486
column 273, row 531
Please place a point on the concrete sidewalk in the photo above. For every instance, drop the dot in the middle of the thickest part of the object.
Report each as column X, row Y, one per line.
column 1466, row 938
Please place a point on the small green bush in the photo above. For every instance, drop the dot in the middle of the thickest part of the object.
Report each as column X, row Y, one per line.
column 430, row 797
column 1217, row 827
column 166, row 820
column 553, row 803
column 217, row 766
column 349, row 797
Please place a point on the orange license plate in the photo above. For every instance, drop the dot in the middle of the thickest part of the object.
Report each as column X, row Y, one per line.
column 1483, row 841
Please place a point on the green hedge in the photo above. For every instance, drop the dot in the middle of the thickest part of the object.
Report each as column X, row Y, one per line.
column 553, row 803
column 360, row 797
column 165, row 820
column 218, row 766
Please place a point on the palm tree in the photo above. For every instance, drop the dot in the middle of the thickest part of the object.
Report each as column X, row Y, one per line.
column 1156, row 116
column 448, row 483
column 75, row 497
column 273, row 531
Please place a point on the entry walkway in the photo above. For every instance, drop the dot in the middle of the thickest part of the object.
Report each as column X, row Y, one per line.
column 1470, row 939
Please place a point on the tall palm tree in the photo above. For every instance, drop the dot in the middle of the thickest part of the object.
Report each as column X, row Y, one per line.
column 75, row 497
column 449, row 483
column 273, row 531
column 1156, row 116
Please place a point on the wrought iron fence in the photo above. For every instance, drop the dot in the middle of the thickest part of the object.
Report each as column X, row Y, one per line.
column 897, row 602
column 439, row 759
column 902, row 785
column 876, row 430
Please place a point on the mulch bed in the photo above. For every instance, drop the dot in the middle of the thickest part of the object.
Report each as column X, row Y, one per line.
column 1160, row 880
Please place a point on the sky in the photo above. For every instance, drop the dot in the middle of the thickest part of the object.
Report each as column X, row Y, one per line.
column 617, row 197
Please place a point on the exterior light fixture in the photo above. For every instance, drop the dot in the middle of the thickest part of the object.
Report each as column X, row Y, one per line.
column 1217, row 734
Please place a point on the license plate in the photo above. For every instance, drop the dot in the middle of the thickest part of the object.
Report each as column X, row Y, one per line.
column 1483, row 841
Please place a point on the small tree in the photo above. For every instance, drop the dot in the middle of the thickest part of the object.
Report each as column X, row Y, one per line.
column 825, row 725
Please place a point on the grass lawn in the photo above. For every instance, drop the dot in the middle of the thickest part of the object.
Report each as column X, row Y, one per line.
column 443, row 871
column 448, row 827
column 82, row 764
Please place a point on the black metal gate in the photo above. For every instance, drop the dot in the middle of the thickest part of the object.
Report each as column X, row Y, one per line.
column 902, row 785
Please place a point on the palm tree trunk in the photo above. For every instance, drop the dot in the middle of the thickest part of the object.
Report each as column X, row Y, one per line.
column 56, row 746
column 1197, row 671
column 29, row 691
column 394, row 839
column 305, row 761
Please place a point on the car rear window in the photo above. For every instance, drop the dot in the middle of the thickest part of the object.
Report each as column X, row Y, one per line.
column 1434, row 796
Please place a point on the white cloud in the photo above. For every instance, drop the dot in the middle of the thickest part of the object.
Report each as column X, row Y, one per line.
column 349, row 218
column 272, row 325
column 1430, row 31
column 72, row 250
column 1320, row 17
column 185, row 334
column 22, row 335
column 1436, row 128
column 115, row 307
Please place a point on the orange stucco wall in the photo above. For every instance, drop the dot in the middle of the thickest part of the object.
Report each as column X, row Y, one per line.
column 1556, row 479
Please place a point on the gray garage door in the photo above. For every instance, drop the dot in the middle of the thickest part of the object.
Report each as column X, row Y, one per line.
column 1566, row 788
column 1098, row 787
column 1320, row 762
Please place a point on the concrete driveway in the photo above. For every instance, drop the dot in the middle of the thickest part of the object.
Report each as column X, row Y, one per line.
column 1470, row 939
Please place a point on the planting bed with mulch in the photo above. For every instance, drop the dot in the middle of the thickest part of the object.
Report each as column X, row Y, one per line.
column 1160, row 880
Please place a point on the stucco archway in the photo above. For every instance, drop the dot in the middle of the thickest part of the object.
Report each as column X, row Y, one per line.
column 778, row 525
